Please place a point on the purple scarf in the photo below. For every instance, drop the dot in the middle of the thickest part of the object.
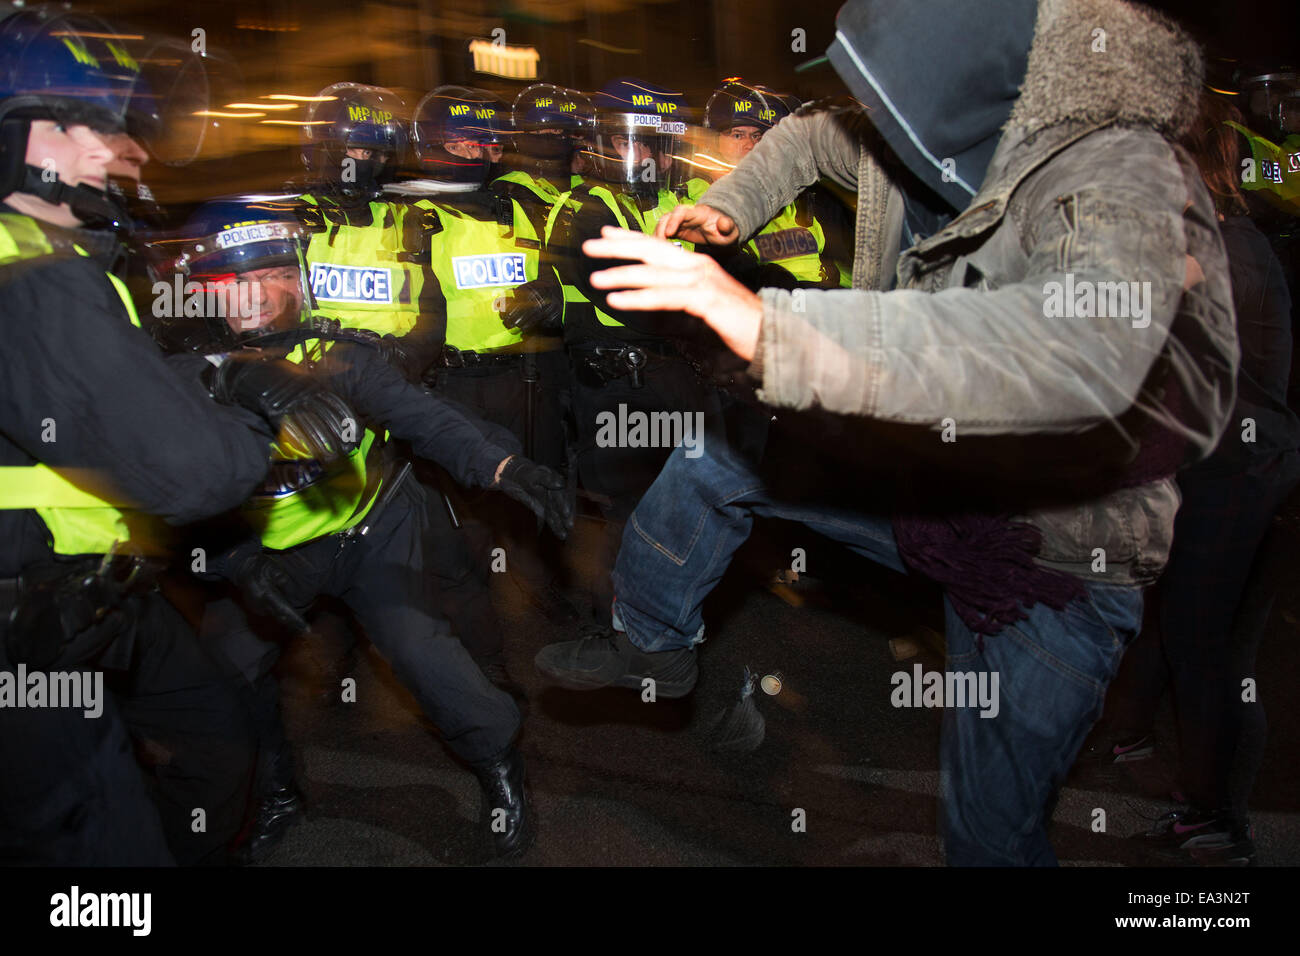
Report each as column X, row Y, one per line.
column 985, row 562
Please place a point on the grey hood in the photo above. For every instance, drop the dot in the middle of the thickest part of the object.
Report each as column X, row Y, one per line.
column 939, row 79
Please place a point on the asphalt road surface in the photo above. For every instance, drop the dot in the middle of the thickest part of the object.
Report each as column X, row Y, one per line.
column 618, row 781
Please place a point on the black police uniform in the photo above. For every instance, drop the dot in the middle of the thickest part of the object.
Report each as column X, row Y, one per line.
column 381, row 568
column 637, row 364
column 70, row 793
column 524, row 388
column 482, row 257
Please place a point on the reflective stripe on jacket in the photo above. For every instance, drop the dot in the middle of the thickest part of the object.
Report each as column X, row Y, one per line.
column 79, row 521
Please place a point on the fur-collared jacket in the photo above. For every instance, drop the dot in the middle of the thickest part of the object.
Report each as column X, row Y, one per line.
column 1078, row 308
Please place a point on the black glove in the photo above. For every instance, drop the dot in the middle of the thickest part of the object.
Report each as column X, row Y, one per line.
column 185, row 336
column 543, row 491
column 262, row 581
column 536, row 308
column 396, row 353
column 324, row 325
column 65, row 618
column 306, row 417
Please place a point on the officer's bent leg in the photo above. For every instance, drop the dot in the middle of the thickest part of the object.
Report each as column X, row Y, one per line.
column 183, row 703
column 249, row 658
column 383, row 580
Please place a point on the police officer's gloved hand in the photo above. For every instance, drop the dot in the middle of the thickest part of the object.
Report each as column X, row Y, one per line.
column 324, row 325
column 307, row 418
column 536, row 308
column 66, row 620
column 395, row 353
column 542, row 490
column 176, row 337
column 263, row 582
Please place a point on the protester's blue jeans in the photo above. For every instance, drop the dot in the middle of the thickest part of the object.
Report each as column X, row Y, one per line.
column 999, row 774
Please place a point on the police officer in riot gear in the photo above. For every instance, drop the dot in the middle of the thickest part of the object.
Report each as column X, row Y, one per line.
column 369, row 269
column 359, row 267
column 356, row 530
column 503, row 355
column 548, row 124
column 102, row 446
column 551, row 126
column 623, row 363
column 808, row 243
column 580, row 164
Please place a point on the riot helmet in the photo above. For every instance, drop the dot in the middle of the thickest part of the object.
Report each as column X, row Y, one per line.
column 452, row 131
column 235, row 273
column 639, row 127
column 353, row 139
column 73, row 70
column 550, row 122
column 740, row 114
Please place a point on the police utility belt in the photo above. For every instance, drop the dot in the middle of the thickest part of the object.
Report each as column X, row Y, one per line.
column 596, row 365
column 453, row 357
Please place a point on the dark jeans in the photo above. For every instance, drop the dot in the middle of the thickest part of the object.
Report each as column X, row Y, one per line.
column 999, row 772
column 1208, row 613
column 71, row 790
column 382, row 577
column 616, row 473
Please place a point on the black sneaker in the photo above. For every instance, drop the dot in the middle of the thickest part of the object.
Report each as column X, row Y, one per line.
column 1131, row 748
column 1121, row 747
column 604, row 657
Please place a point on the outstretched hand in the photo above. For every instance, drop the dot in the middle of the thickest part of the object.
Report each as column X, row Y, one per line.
column 699, row 224
column 670, row 279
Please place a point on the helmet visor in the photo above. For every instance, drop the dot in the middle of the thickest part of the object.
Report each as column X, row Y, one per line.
column 637, row 150
column 251, row 276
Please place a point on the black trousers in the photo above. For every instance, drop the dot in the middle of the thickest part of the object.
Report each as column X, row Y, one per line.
column 618, row 471
column 459, row 572
column 382, row 576
column 71, row 789
column 500, row 393
column 1202, row 635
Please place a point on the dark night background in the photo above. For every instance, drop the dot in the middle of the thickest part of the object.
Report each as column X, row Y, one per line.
column 299, row 47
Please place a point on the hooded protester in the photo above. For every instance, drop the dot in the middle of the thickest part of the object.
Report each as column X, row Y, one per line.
column 1058, row 342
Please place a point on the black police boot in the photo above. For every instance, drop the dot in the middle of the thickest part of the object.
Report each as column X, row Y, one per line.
column 604, row 657
column 276, row 812
column 506, row 815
